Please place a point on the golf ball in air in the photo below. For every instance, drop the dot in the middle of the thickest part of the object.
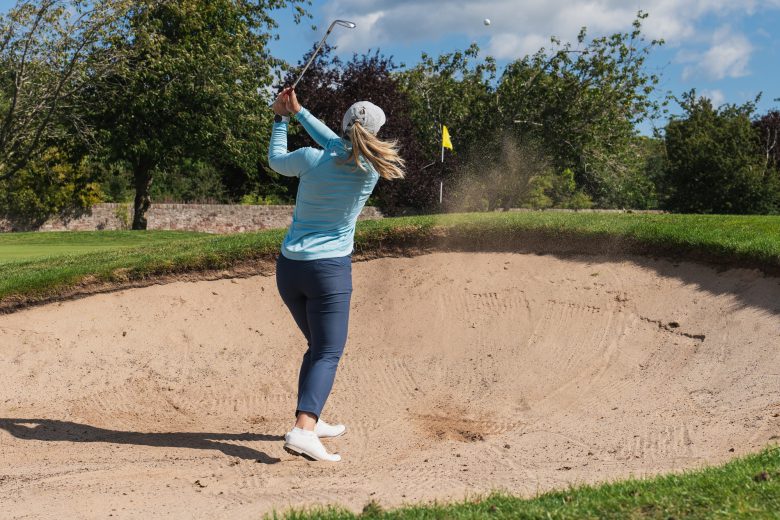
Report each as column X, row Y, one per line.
column 487, row 21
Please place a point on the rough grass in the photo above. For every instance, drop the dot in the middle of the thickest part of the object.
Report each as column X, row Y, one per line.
column 747, row 487
column 37, row 266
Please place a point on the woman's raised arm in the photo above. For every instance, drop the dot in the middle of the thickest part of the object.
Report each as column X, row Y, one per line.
column 318, row 130
column 290, row 164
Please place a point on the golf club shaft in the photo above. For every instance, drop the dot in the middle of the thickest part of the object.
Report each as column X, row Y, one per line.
column 314, row 54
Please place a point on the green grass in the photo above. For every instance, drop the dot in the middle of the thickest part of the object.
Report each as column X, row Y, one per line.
column 153, row 253
column 41, row 265
column 747, row 487
column 730, row 237
column 36, row 246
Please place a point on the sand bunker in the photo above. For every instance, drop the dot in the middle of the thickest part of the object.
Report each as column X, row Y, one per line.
column 463, row 373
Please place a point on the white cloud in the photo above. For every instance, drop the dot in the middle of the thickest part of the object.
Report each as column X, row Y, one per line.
column 727, row 57
column 519, row 27
column 509, row 46
column 716, row 96
column 363, row 36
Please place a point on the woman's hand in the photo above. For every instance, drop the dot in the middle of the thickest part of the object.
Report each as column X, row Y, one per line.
column 280, row 104
column 292, row 105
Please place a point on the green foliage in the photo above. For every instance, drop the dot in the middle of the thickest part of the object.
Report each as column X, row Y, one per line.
column 48, row 184
column 271, row 191
column 189, row 181
column 625, row 183
column 122, row 214
column 500, row 175
column 583, row 104
column 715, row 161
column 455, row 90
column 187, row 87
column 551, row 190
column 50, row 52
column 651, row 176
column 768, row 128
column 177, row 91
column 115, row 180
column 579, row 104
column 263, row 200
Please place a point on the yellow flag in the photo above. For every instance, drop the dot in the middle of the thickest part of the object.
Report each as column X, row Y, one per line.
column 445, row 138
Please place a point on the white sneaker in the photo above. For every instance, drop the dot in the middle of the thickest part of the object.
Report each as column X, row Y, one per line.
column 324, row 430
column 306, row 444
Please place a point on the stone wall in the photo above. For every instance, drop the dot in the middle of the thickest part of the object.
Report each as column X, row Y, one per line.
column 210, row 218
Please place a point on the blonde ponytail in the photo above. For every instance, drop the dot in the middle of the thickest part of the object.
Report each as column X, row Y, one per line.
column 383, row 155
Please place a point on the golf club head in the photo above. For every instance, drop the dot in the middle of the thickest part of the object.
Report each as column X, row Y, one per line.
column 344, row 23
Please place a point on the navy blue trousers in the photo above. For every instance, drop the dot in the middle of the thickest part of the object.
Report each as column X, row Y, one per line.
column 317, row 292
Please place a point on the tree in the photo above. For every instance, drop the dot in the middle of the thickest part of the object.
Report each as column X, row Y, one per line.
column 47, row 50
column 575, row 105
column 556, row 190
column 649, row 186
column 331, row 86
column 716, row 162
column 582, row 104
column 768, row 127
column 455, row 90
column 48, row 56
column 189, row 85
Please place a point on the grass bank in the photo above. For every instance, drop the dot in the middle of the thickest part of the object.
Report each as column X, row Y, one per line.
column 747, row 487
column 36, row 267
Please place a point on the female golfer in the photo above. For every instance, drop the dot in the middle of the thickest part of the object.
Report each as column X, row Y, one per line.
column 314, row 271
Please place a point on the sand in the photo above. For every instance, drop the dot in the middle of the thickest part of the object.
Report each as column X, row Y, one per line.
column 464, row 373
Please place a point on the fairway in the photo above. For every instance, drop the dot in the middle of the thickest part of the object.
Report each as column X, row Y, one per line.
column 16, row 247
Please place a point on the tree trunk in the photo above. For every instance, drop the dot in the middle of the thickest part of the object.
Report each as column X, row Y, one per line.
column 142, row 175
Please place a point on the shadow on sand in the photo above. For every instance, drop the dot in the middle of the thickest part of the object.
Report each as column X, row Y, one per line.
column 750, row 282
column 53, row 430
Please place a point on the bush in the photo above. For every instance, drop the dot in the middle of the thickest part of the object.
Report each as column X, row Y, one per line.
column 115, row 181
column 715, row 163
column 551, row 190
column 189, row 181
column 263, row 200
column 50, row 184
column 499, row 175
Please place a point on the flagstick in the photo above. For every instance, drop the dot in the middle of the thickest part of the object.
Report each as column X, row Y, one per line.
column 441, row 182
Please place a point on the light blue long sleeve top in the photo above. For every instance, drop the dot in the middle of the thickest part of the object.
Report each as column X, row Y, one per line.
column 330, row 195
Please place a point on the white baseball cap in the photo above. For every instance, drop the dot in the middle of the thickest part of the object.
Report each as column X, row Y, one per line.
column 370, row 116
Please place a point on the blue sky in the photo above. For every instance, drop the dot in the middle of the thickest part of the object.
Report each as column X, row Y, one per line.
column 726, row 49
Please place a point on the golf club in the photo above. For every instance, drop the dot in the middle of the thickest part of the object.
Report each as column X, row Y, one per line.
column 343, row 23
